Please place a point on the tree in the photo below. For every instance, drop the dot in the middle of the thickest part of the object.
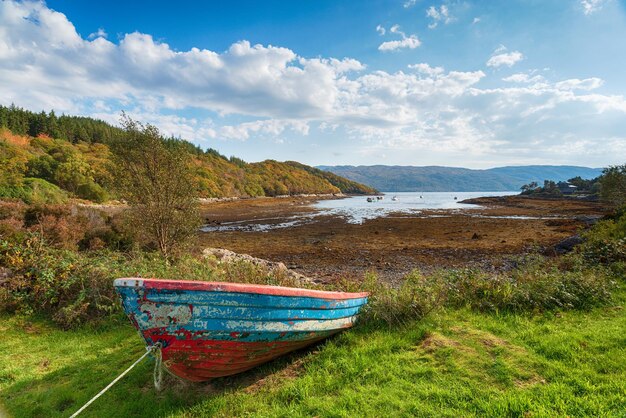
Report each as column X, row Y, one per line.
column 613, row 184
column 156, row 178
column 529, row 188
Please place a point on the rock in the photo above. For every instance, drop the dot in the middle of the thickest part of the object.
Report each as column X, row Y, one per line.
column 226, row 256
column 588, row 220
column 475, row 236
column 5, row 274
column 568, row 244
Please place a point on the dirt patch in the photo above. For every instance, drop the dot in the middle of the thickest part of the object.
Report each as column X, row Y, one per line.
column 434, row 341
column 289, row 372
column 486, row 339
column 530, row 382
column 44, row 364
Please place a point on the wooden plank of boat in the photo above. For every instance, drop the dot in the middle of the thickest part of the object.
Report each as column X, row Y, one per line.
column 213, row 329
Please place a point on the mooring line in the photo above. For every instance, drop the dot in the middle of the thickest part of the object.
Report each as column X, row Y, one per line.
column 156, row 347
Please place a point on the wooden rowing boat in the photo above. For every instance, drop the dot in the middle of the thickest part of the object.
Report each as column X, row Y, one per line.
column 212, row 329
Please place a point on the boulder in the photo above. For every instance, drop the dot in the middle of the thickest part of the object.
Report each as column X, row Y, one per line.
column 568, row 244
column 226, row 256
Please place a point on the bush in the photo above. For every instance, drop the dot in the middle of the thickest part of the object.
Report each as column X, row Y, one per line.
column 606, row 242
column 60, row 284
column 394, row 306
column 34, row 191
column 537, row 285
column 11, row 218
column 92, row 191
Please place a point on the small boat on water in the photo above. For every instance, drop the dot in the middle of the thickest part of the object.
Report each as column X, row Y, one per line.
column 395, row 198
column 370, row 199
column 213, row 329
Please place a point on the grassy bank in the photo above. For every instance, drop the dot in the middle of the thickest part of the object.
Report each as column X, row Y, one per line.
column 454, row 363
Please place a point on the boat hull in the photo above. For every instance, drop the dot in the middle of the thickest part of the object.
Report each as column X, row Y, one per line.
column 209, row 330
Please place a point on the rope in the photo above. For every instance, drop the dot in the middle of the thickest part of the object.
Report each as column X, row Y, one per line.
column 157, row 374
column 156, row 347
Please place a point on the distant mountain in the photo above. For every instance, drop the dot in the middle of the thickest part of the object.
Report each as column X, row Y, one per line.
column 443, row 179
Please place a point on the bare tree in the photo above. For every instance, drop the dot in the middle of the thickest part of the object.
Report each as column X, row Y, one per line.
column 154, row 176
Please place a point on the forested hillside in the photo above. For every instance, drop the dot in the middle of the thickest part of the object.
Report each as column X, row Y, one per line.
column 48, row 158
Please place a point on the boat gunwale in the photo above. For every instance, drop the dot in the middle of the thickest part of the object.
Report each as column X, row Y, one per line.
column 192, row 285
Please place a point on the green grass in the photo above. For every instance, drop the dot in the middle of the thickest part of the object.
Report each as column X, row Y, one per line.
column 453, row 363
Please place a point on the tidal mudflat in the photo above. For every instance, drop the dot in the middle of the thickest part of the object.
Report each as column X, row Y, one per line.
column 326, row 243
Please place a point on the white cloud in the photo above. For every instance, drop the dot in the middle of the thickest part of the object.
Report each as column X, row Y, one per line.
column 271, row 127
column 410, row 42
column 576, row 84
column 409, row 3
column 426, row 69
column 437, row 15
column 500, row 58
column 46, row 64
column 523, row 78
column 592, row 6
column 100, row 33
column 381, row 30
column 476, row 20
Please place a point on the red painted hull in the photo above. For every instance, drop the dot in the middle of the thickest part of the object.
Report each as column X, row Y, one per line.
column 198, row 361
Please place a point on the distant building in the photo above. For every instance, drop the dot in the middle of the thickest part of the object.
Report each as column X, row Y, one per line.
column 566, row 188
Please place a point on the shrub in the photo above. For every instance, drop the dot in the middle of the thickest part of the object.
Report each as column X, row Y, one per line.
column 155, row 177
column 535, row 286
column 34, row 191
column 92, row 191
column 606, row 242
column 60, row 226
column 60, row 284
column 395, row 306
column 613, row 185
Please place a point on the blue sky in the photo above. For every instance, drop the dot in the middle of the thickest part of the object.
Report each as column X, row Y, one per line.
column 461, row 83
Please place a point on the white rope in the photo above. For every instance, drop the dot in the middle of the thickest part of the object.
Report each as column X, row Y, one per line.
column 157, row 347
column 157, row 374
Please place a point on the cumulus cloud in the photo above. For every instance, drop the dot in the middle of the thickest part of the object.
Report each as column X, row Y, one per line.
column 409, row 42
column 426, row 69
column 381, row 30
column 409, row 3
column 437, row 15
column 500, row 57
column 46, row 64
column 100, row 33
column 523, row 78
column 271, row 127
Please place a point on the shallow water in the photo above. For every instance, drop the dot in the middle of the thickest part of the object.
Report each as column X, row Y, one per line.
column 357, row 209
